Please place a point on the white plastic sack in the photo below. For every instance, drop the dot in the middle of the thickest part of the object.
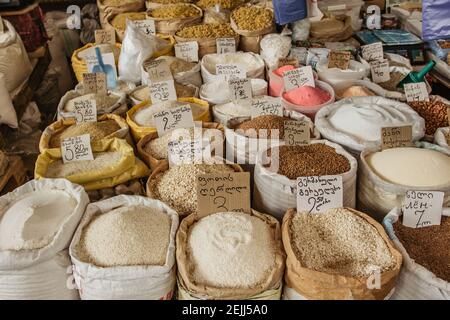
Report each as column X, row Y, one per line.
column 275, row 193
column 334, row 76
column 31, row 119
column 42, row 273
column 377, row 196
column 8, row 114
column 273, row 47
column 440, row 137
column 415, row 282
column 126, row 282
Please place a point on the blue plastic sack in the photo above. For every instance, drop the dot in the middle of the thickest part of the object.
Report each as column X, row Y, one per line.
column 287, row 11
column 435, row 19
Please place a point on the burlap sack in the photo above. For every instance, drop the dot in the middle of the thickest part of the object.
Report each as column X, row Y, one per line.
column 170, row 26
column 125, row 6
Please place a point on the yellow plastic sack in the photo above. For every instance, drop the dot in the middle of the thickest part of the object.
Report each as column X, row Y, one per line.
column 125, row 163
column 139, row 132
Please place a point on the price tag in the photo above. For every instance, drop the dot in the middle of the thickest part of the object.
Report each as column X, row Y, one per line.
column 299, row 77
column 416, row 92
column 147, row 26
column 85, row 110
column 318, row 194
column 394, row 137
column 187, row 51
column 373, row 51
column 380, row 70
column 314, row 55
column 226, row 45
column 173, row 118
column 230, row 71
column 422, row 208
column 240, row 89
column 186, row 151
column 105, row 36
column 158, row 70
column 266, row 106
column 296, row 132
column 77, row 148
column 223, row 192
column 339, row 59
column 288, row 62
column 162, row 91
column 95, row 83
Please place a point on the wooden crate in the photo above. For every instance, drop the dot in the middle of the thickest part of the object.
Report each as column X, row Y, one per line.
column 15, row 175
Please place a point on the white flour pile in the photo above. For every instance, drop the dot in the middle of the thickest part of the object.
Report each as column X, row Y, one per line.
column 32, row 221
column 231, row 250
column 134, row 235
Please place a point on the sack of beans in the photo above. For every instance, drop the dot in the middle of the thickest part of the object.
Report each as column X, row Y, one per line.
column 142, row 93
column 34, row 261
column 386, row 175
column 442, row 137
column 124, row 248
column 217, row 92
column 425, row 274
column 229, row 256
column 114, row 7
column 169, row 18
column 277, row 170
column 152, row 149
column 107, row 126
column 176, row 185
column 355, row 123
column 339, row 254
column 250, row 62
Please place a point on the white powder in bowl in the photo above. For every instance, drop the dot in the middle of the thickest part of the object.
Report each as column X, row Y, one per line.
column 32, row 221
column 231, row 250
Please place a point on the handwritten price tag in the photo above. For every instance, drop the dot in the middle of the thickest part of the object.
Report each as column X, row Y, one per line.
column 373, row 51
column 395, row 137
column 318, row 194
column 380, row 71
column 186, row 151
column 422, row 208
column 77, row 149
column 95, row 83
column 187, row 51
column 296, row 132
column 173, row 118
column 226, row 45
column 339, row 59
column 266, row 106
column 162, row 91
column 416, row 92
column 105, row 36
column 85, row 110
column 240, row 89
column 223, row 192
column 158, row 70
column 297, row 78
column 146, row 26
column 230, row 71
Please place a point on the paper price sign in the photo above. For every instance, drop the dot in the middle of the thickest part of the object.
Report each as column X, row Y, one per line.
column 95, row 83
column 105, row 36
column 395, row 137
column 339, row 59
column 158, row 70
column 416, row 92
column 173, row 118
column 296, row 132
column 223, row 192
column 266, row 106
column 380, row 71
column 85, row 110
column 186, row 151
column 297, row 78
column 77, row 149
column 230, row 71
column 240, row 89
column 373, row 51
column 146, row 26
column 187, row 51
column 162, row 91
column 422, row 208
column 319, row 193
column 226, row 45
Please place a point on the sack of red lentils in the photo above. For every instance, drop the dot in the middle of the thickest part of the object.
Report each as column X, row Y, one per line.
column 425, row 274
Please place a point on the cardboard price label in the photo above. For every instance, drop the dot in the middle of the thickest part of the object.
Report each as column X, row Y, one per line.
column 395, row 137
column 297, row 78
column 95, row 83
column 339, row 59
column 240, row 89
column 318, row 194
column 146, row 26
column 187, row 51
column 186, row 151
column 158, row 70
column 225, row 45
column 416, row 92
column 266, row 106
column 77, row 149
column 379, row 70
column 296, row 132
column 422, row 208
column 223, row 192
column 105, row 36
column 373, row 51
column 85, row 110
column 173, row 118
column 230, row 71
column 292, row 61
column 162, row 91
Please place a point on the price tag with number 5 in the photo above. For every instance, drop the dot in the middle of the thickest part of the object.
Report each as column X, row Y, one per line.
column 76, row 148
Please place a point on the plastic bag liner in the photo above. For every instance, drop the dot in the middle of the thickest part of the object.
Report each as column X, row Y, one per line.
column 377, row 196
column 415, row 281
column 125, row 282
column 435, row 19
column 191, row 289
column 275, row 193
column 43, row 273
column 287, row 11
column 440, row 137
column 314, row 285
